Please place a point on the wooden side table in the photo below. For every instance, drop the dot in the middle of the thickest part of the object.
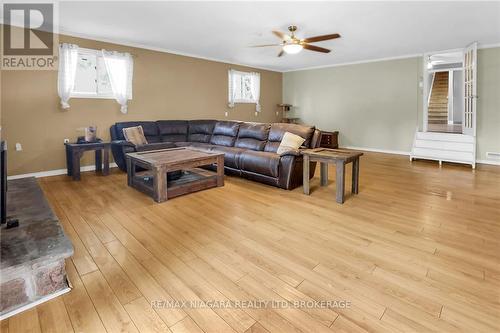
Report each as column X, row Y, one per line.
column 340, row 158
column 329, row 139
column 74, row 152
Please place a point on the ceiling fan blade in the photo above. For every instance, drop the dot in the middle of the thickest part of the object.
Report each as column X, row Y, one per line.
column 315, row 48
column 281, row 53
column 320, row 38
column 281, row 35
column 266, row 45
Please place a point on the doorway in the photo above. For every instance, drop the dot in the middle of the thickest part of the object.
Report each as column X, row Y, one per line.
column 445, row 92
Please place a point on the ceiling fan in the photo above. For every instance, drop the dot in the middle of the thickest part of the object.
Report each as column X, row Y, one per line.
column 291, row 44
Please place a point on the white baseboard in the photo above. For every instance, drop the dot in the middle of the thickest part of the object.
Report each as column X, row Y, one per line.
column 399, row 152
column 113, row 165
column 488, row 162
column 376, row 150
column 56, row 172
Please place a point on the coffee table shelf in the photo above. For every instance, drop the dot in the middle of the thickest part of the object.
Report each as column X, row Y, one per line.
column 153, row 181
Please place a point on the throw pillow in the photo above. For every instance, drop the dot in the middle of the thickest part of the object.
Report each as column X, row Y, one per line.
column 135, row 135
column 289, row 142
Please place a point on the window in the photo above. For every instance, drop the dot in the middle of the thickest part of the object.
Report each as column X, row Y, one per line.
column 91, row 78
column 244, row 87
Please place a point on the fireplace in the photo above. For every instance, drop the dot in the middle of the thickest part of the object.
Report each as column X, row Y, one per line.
column 32, row 262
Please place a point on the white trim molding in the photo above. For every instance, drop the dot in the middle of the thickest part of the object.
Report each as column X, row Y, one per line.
column 56, row 172
column 488, row 162
column 164, row 50
column 377, row 150
column 407, row 153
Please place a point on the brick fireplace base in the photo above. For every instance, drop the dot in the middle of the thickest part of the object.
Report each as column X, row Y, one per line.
column 32, row 255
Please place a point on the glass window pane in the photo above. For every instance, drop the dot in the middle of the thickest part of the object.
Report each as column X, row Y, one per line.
column 103, row 84
column 85, row 81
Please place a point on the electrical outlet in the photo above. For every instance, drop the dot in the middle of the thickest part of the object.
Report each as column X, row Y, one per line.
column 277, row 113
column 66, row 140
column 19, row 147
column 226, row 114
column 256, row 113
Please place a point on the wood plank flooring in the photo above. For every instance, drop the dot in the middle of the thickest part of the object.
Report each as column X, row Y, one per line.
column 417, row 250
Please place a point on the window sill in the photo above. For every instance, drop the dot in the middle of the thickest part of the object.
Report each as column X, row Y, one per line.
column 94, row 97
column 244, row 102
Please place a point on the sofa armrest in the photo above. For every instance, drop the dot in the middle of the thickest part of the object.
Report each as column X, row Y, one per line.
column 294, row 152
column 119, row 148
column 316, row 139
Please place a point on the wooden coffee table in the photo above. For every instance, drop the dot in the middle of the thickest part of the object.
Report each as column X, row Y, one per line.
column 153, row 181
column 340, row 158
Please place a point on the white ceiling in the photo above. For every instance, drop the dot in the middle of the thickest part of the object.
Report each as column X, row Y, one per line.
column 224, row 30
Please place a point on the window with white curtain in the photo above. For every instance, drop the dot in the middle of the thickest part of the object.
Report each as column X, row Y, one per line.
column 91, row 78
column 244, row 87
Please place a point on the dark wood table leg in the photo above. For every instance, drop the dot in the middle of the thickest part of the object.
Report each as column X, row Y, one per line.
column 324, row 173
column 305, row 174
column 69, row 160
column 220, row 171
column 98, row 160
column 105, row 171
column 75, row 164
column 355, row 176
column 160, row 184
column 130, row 171
column 340, row 180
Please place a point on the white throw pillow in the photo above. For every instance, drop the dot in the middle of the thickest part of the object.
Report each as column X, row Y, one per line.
column 289, row 142
column 135, row 135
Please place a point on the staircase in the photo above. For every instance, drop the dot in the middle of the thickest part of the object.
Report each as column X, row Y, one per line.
column 438, row 99
column 457, row 148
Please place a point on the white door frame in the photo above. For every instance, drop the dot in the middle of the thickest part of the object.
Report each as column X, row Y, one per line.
column 426, row 84
column 470, row 90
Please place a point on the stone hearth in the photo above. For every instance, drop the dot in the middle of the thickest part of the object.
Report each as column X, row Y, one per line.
column 32, row 255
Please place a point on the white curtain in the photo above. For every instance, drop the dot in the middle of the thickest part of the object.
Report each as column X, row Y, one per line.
column 120, row 68
column 232, row 77
column 68, row 60
column 256, row 90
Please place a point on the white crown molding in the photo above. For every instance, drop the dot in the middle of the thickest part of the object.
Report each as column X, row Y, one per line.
column 159, row 49
column 407, row 56
column 57, row 172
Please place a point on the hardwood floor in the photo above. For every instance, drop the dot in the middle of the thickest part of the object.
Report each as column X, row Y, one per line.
column 416, row 251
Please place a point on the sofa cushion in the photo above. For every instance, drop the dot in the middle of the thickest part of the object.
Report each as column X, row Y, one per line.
column 252, row 136
column 261, row 162
column 278, row 130
column 149, row 127
column 231, row 155
column 200, row 130
column 225, row 133
column 173, row 130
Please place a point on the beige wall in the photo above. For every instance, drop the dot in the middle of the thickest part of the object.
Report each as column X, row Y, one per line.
column 379, row 105
column 373, row 105
column 165, row 86
column 488, row 103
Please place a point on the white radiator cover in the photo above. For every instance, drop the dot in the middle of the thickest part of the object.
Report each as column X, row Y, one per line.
column 447, row 147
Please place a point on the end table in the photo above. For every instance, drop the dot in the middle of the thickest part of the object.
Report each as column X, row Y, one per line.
column 74, row 152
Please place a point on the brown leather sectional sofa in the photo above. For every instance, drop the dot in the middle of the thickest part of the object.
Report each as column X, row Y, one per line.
column 249, row 148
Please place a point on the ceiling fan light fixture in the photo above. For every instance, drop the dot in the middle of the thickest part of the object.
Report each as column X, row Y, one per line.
column 292, row 48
